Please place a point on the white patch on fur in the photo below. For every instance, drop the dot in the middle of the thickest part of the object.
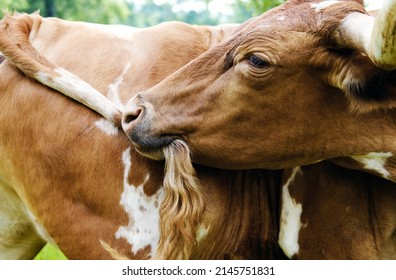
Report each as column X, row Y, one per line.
column 323, row 5
column 113, row 95
column 202, row 232
column 113, row 89
column 79, row 90
column 107, row 127
column 143, row 212
column 281, row 18
column 375, row 162
column 290, row 219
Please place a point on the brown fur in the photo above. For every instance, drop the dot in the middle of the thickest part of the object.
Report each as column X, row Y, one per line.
column 360, row 208
column 15, row 44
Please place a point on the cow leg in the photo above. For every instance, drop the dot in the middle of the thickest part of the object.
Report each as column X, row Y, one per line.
column 18, row 236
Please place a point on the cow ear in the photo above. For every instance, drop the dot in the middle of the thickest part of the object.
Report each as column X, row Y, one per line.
column 367, row 87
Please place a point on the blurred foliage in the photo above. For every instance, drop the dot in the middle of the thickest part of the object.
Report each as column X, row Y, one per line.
column 155, row 13
column 259, row 6
column 146, row 13
column 104, row 11
column 11, row 5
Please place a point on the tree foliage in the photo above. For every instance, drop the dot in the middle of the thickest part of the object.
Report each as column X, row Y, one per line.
column 260, row 6
column 149, row 13
column 104, row 11
column 13, row 5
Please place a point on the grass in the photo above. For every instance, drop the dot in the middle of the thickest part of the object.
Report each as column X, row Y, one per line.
column 50, row 252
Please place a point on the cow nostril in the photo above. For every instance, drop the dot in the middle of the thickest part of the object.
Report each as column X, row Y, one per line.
column 132, row 116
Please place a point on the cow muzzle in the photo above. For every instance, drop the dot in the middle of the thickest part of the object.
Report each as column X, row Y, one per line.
column 137, row 122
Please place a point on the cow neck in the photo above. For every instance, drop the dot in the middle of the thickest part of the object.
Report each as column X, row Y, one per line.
column 375, row 146
column 366, row 142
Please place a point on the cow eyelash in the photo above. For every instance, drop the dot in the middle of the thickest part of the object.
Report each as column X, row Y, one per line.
column 257, row 61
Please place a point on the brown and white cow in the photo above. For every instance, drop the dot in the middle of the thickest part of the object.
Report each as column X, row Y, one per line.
column 304, row 82
column 74, row 175
column 69, row 176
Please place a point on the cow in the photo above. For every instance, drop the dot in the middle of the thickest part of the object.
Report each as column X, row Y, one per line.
column 71, row 178
column 241, row 219
column 306, row 81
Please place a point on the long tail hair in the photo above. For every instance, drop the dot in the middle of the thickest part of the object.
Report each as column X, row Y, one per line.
column 182, row 208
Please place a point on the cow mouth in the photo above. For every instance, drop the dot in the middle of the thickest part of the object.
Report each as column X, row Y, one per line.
column 151, row 146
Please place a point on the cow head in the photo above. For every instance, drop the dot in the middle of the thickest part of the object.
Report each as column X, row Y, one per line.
column 283, row 91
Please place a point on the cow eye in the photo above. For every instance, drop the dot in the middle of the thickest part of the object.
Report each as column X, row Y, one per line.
column 257, row 61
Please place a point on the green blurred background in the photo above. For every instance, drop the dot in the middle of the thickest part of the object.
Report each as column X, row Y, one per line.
column 143, row 13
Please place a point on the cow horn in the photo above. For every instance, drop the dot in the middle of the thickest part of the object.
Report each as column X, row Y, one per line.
column 376, row 37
